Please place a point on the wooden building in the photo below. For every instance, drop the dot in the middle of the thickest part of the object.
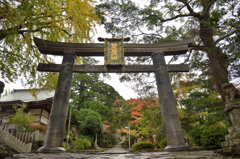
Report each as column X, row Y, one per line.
column 39, row 105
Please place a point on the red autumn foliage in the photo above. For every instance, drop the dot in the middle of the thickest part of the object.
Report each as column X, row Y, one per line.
column 106, row 127
column 41, row 128
column 133, row 121
column 137, row 106
column 118, row 101
column 136, row 114
column 134, row 117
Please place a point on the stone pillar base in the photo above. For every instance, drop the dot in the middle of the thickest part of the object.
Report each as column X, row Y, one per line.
column 171, row 148
column 51, row 149
column 232, row 144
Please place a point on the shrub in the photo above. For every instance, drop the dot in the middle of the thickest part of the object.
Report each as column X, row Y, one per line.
column 125, row 144
column 41, row 128
column 107, row 139
column 81, row 143
column 196, row 135
column 163, row 143
column 209, row 136
column 22, row 119
column 143, row 146
column 213, row 136
column 36, row 145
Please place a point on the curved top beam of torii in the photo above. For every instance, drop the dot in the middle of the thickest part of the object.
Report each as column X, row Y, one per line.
column 97, row 49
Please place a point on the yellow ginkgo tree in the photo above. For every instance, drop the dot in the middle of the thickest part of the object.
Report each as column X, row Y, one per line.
column 21, row 20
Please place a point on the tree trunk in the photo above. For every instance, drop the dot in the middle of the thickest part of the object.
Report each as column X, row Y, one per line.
column 95, row 143
column 218, row 65
column 2, row 35
column 217, row 59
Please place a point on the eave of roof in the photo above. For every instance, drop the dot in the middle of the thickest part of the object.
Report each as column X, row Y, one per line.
column 25, row 96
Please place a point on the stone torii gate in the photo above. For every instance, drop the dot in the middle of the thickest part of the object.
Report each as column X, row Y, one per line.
column 114, row 51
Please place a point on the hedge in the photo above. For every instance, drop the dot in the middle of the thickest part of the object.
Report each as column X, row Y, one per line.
column 143, row 146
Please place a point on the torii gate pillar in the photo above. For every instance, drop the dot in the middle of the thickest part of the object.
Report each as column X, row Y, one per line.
column 58, row 116
column 172, row 126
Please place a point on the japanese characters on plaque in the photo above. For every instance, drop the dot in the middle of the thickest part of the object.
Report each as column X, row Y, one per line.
column 114, row 51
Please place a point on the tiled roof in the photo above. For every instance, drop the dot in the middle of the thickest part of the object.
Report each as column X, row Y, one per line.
column 25, row 95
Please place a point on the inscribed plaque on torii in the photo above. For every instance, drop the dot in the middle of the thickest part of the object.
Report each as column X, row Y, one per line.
column 114, row 51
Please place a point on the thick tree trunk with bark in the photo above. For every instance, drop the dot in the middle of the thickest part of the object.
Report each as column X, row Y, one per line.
column 218, row 63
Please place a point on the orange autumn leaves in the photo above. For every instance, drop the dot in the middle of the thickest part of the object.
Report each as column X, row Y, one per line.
column 142, row 115
column 132, row 132
column 138, row 106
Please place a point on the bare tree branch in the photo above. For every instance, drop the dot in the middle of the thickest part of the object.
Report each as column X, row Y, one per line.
column 190, row 9
column 18, row 30
column 188, row 57
column 168, row 19
column 223, row 37
column 146, row 34
column 5, row 32
column 207, row 7
column 172, row 59
column 186, row 3
column 175, row 17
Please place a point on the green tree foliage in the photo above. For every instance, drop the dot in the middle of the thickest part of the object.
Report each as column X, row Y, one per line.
column 143, row 113
column 214, row 25
column 89, row 92
column 22, row 119
column 89, row 87
column 57, row 20
column 234, row 57
column 121, row 113
column 90, row 122
column 200, row 102
column 81, row 143
column 140, row 113
column 209, row 136
column 202, row 114
column 107, row 139
column 100, row 108
column 91, row 99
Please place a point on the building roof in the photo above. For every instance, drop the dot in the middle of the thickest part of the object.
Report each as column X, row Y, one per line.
column 26, row 95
